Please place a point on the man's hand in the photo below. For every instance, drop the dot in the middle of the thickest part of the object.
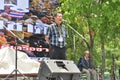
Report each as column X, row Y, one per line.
column 47, row 40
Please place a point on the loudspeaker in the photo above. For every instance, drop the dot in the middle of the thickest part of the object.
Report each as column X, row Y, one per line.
column 58, row 70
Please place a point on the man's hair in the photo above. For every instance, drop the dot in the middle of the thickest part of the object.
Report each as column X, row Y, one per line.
column 86, row 52
column 55, row 14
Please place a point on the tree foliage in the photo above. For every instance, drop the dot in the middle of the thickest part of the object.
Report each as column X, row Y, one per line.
column 97, row 17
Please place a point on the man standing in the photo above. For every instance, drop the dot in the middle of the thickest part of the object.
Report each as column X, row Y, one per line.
column 56, row 36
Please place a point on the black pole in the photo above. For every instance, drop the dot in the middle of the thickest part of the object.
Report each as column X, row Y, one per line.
column 16, row 42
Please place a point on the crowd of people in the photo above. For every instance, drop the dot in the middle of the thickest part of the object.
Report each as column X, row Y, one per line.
column 43, row 9
column 40, row 15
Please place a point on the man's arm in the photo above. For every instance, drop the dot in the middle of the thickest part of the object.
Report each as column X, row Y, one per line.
column 47, row 39
column 91, row 65
column 47, row 35
column 80, row 64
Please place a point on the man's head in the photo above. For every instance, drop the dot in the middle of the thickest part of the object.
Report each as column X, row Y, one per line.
column 34, row 17
column 58, row 18
column 87, row 54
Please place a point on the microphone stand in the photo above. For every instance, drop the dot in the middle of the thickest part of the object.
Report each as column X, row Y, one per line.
column 16, row 45
column 74, row 38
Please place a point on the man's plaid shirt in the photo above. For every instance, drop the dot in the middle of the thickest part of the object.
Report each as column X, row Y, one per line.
column 54, row 34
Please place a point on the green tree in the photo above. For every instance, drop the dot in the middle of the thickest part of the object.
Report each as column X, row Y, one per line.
column 98, row 21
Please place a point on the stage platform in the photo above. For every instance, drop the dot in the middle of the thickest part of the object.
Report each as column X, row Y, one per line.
column 32, row 76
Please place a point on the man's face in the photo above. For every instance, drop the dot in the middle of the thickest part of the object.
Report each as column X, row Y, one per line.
column 87, row 55
column 34, row 19
column 58, row 18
